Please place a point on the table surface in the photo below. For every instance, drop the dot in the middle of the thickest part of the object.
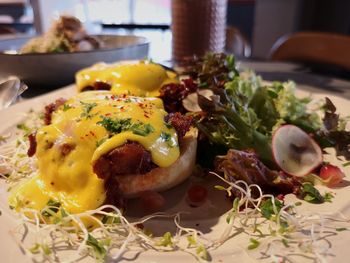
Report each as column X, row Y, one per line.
column 313, row 82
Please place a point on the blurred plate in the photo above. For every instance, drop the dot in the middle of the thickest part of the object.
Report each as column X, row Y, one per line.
column 58, row 69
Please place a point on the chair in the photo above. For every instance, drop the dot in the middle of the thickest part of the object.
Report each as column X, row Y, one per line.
column 315, row 48
column 236, row 43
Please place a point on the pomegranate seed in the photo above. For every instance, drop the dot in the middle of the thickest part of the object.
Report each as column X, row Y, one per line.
column 196, row 195
column 332, row 174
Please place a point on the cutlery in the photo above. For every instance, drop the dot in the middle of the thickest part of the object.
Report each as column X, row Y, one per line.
column 10, row 91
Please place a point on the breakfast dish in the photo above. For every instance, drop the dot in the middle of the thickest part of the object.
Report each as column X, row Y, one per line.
column 58, row 69
column 130, row 145
column 262, row 157
column 67, row 34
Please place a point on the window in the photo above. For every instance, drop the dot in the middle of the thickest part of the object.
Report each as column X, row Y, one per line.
column 128, row 11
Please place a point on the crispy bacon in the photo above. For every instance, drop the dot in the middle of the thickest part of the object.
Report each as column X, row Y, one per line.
column 50, row 108
column 66, row 148
column 130, row 158
column 172, row 94
column 32, row 144
column 97, row 85
column 181, row 123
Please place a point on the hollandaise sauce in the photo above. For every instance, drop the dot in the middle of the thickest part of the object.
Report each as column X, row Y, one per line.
column 140, row 78
column 82, row 130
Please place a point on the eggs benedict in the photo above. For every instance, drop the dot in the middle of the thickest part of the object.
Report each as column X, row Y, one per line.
column 98, row 147
column 138, row 78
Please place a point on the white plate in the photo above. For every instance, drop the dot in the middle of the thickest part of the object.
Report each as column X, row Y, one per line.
column 207, row 217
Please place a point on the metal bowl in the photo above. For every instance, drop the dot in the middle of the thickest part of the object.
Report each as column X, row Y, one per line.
column 58, row 69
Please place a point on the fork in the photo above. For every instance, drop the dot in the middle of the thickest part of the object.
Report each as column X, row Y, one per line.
column 10, row 91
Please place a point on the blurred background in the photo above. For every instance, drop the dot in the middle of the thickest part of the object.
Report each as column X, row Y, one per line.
column 253, row 26
column 307, row 41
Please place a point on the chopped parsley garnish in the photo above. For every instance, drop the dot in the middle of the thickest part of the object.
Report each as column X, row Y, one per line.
column 66, row 107
column 121, row 125
column 87, row 108
column 100, row 142
column 168, row 125
column 115, row 125
column 142, row 129
column 165, row 136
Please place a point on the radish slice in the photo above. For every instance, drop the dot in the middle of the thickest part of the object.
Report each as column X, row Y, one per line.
column 190, row 103
column 294, row 151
